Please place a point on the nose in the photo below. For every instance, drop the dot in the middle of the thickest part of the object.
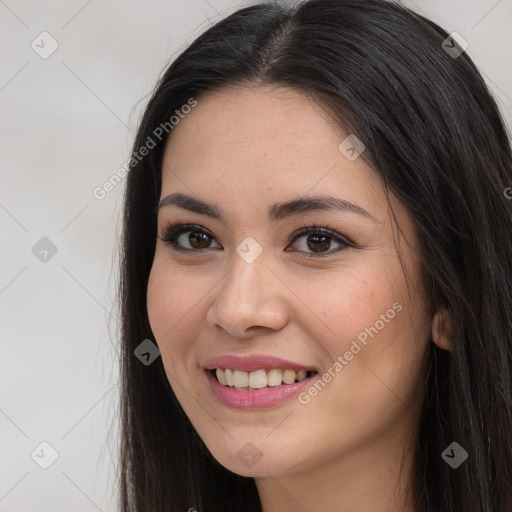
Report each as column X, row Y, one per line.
column 251, row 297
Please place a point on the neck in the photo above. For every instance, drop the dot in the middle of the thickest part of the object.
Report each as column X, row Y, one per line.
column 380, row 477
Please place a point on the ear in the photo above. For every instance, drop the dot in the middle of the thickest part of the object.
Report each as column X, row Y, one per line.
column 441, row 332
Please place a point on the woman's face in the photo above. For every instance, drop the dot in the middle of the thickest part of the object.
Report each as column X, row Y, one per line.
column 250, row 287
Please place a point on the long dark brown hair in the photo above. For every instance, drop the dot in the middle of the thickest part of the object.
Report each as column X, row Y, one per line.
column 434, row 134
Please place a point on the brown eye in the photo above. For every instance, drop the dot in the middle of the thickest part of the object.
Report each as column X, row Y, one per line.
column 191, row 238
column 187, row 237
column 198, row 240
column 317, row 241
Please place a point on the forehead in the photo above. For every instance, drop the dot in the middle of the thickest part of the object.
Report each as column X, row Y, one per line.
column 263, row 143
column 248, row 120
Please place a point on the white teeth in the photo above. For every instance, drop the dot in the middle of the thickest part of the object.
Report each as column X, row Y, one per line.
column 240, row 379
column 274, row 377
column 228, row 374
column 221, row 376
column 289, row 376
column 258, row 379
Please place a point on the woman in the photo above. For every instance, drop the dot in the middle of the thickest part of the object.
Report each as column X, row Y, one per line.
column 317, row 239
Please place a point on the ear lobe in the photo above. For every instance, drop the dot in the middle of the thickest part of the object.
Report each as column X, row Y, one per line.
column 441, row 332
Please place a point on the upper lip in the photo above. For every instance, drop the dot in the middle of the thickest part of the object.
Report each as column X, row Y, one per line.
column 253, row 363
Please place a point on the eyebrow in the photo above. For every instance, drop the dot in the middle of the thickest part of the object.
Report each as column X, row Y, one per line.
column 276, row 212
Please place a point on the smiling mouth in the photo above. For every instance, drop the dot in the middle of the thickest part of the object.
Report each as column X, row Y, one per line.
column 259, row 379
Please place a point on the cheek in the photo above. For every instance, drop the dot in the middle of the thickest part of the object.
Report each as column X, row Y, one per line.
column 366, row 317
column 172, row 308
column 343, row 303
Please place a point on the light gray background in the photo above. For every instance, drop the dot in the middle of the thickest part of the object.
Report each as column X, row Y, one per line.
column 68, row 122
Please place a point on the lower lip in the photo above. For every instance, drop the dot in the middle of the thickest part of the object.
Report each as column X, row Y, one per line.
column 257, row 399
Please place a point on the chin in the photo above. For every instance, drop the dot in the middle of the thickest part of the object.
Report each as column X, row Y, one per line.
column 248, row 461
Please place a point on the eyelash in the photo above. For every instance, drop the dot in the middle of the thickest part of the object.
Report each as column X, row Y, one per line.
column 175, row 229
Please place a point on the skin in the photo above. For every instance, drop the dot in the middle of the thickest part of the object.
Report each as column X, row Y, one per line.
column 245, row 149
